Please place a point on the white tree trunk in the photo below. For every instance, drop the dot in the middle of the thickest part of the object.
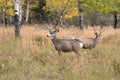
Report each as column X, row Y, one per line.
column 80, row 14
column 20, row 15
column 17, row 17
column 27, row 13
column 17, row 7
column 3, row 17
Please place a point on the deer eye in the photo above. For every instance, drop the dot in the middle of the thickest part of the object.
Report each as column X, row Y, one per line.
column 50, row 32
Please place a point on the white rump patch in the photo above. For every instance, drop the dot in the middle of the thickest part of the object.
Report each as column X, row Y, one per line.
column 81, row 45
column 73, row 37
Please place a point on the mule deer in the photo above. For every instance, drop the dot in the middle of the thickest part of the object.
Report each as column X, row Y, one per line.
column 88, row 43
column 65, row 45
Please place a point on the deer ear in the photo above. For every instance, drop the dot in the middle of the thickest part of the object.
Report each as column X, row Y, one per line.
column 96, row 34
column 50, row 30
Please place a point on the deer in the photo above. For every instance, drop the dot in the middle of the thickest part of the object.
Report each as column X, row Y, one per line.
column 65, row 45
column 88, row 43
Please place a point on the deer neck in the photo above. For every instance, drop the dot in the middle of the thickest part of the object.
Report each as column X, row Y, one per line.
column 54, row 40
column 96, row 40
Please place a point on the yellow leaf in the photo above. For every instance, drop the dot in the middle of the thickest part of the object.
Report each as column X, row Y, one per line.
column 68, row 16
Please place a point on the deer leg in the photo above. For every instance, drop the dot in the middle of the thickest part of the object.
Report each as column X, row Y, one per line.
column 78, row 55
column 91, row 49
column 60, row 55
column 78, row 58
column 92, row 52
column 60, row 65
column 78, row 69
column 93, row 55
column 79, row 66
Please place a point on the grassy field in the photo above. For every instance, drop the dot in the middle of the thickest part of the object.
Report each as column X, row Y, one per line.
column 33, row 57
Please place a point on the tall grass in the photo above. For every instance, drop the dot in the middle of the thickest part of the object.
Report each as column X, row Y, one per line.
column 33, row 57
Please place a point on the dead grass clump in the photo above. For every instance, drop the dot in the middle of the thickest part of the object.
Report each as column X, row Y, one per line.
column 116, row 68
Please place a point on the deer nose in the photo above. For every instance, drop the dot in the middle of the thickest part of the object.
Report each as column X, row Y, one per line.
column 48, row 35
column 101, row 37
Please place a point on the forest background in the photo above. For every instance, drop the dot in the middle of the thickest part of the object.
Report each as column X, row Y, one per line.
column 32, row 55
column 64, row 12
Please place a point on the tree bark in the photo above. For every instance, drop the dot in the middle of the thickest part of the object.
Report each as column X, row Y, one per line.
column 80, row 14
column 27, row 13
column 115, row 20
column 58, row 16
column 20, row 14
column 16, row 18
column 4, row 16
column 81, row 20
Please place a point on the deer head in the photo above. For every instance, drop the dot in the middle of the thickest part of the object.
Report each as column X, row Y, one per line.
column 52, row 33
column 98, row 35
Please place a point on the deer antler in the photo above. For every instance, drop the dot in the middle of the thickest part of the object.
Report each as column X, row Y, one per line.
column 94, row 29
column 101, row 31
column 50, row 28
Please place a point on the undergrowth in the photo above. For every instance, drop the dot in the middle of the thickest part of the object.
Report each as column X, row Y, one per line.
column 36, row 59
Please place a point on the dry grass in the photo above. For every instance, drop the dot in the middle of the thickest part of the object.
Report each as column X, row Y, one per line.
column 36, row 30
column 33, row 57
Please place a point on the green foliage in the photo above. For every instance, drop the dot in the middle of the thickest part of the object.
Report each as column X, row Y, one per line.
column 7, row 7
column 44, row 9
column 38, row 9
column 55, row 6
column 100, row 6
